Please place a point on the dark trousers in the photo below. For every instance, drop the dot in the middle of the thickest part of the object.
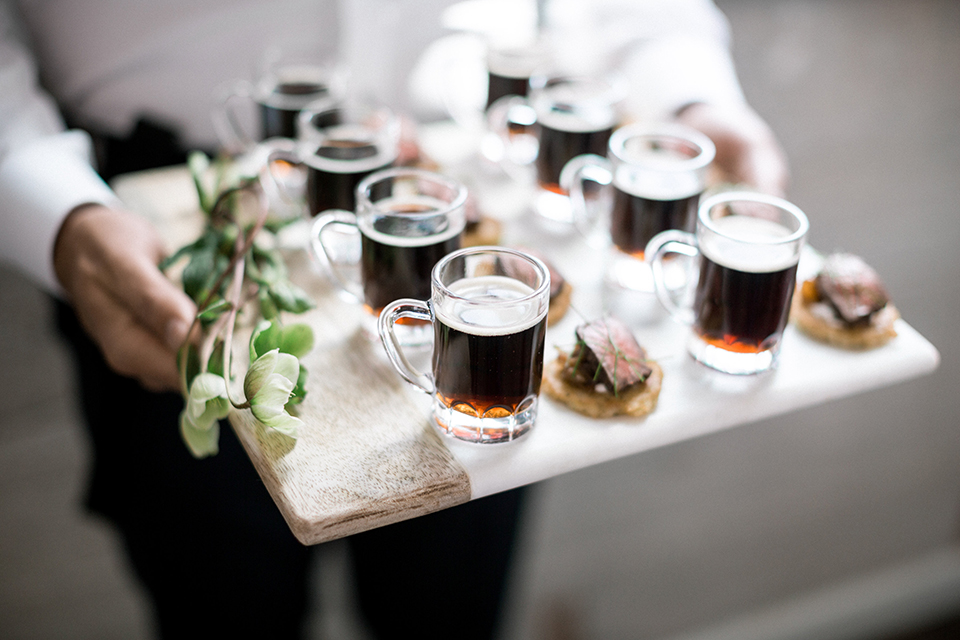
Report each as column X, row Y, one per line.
column 217, row 559
column 207, row 541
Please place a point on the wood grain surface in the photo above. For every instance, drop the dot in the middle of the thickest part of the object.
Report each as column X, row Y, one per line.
column 368, row 453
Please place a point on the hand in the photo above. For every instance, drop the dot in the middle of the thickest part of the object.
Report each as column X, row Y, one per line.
column 106, row 259
column 747, row 150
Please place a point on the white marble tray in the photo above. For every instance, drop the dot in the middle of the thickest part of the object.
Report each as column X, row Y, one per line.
column 368, row 454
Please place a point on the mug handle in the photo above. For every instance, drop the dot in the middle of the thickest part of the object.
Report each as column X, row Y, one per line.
column 656, row 250
column 389, row 316
column 518, row 151
column 597, row 169
column 278, row 185
column 352, row 290
column 233, row 138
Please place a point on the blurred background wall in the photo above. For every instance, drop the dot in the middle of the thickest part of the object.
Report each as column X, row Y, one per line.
column 841, row 521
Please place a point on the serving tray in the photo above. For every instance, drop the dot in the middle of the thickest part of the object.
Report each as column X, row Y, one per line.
column 368, row 453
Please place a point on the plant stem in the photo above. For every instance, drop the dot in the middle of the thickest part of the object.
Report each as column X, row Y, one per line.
column 235, row 295
column 240, row 251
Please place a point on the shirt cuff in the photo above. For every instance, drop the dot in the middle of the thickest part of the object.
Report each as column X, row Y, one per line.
column 665, row 75
column 40, row 183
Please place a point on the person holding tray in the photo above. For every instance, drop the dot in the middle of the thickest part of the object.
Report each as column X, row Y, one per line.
column 135, row 82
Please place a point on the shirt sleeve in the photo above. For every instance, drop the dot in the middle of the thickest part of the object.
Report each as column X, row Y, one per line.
column 45, row 171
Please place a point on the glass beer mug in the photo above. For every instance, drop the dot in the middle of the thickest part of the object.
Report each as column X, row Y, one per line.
column 341, row 146
column 286, row 84
column 337, row 147
column 488, row 309
column 653, row 176
column 571, row 116
column 407, row 219
column 749, row 246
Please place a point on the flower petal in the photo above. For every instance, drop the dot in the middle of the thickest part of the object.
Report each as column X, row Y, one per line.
column 201, row 442
column 275, row 392
column 258, row 373
column 285, row 424
column 288, row 366
column 215, row 409
column 207, row 386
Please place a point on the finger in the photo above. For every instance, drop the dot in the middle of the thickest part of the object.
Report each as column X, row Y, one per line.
column 117, row 251
column 127, row 269
column 157, row 303
column 128, row 347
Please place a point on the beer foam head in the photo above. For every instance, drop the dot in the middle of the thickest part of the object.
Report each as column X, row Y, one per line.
column 576, row 105
column 292, row 86
column 517, row 61
column 583, row 119
column 750, row 244
column 490, row 306
column 411, row 221
column 332, row 152
column 660, row 161
column 658, row 185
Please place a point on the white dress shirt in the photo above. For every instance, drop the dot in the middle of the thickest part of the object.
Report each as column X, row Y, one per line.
column 107, row 63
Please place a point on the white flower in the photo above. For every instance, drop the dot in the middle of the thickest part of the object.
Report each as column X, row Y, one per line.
column 268, row 385
column 206, row 404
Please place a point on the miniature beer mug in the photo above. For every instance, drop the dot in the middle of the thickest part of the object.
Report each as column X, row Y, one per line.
column 574, row 115
column 342, row 145
column 653, row 176
column 488, row 307
column 407, row 219
column 749, row 246
column 657, row 173
column 285, row 85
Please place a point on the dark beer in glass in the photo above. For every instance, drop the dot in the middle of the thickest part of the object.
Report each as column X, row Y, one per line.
column 742, row 311
column 743, row 299
column 658, row 174
column 397, row 265
column 337, row 167
column 281, row 103
column 653, row 175
column 488, row 307
column 635, row 218
column 509, row 68
column 407, row 220
column 564, row 136
column 268, row 107
column 749, row 245
column 344, row 145
column 499, row 86
column 493, row 369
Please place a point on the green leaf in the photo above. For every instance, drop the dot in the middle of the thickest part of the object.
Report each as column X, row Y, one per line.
column 266, row 337
column 227, row 240
column 200, row 272
column 299, row 390
column 198, row 163
column 193, row 363
column 214, row 310
column 185, row 250
column 296, row 339
column 268, row 309
column 215, row 364
column 289, row 297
